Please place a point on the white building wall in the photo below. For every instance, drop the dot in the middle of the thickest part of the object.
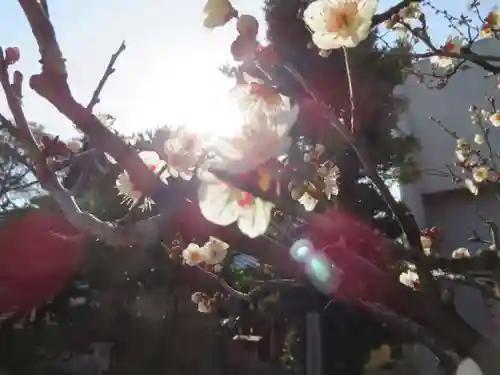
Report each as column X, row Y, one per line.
column 449, row 105
column 453, row 212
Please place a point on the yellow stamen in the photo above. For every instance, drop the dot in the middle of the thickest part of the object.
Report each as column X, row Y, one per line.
column 264, row 179
column 341, row 18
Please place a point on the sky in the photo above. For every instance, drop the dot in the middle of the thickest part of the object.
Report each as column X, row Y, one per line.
column 169, row 72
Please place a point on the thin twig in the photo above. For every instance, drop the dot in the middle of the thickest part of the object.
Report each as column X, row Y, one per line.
column 107, row 73
column 351, row 90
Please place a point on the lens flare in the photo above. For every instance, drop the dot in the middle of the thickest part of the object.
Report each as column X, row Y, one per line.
column 323, row 273
column 301, row 250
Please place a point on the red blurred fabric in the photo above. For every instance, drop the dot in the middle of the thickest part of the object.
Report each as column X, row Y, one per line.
column 39, row 254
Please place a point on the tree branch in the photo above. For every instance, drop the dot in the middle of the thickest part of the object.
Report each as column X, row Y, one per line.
column 384, row 16
column 107, row 73
column 52, row 85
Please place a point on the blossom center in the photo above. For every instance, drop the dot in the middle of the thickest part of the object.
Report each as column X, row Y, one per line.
column 491, row 20
column 268, row 94
column 195, row 256
column 340, row 19
column 497, row 116
column 264, row 178
column 152, row 168
column 245, row 200
column 448, row 46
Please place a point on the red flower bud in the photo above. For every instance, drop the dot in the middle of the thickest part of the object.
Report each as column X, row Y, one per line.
column 434, row 230
column 12, row 55
column 243, row 48
column 266, row 56
column 247, row 26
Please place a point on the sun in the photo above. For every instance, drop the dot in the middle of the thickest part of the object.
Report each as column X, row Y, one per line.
column 189, row 94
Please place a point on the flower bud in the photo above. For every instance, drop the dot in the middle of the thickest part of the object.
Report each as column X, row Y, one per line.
column 243, row 48
column 12, row 55
column 479, row 139
column 247, row 26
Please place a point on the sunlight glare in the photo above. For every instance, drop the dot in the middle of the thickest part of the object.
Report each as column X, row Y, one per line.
column 189, row 92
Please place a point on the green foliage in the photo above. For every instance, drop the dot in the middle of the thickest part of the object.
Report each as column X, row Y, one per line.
column 17, row 183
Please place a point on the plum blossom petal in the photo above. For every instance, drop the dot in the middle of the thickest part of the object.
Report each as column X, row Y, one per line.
column 217, row 202
column 193, row 254
column 495, row 119
column 224, row 204
column 254, row 220
column 217, row 13
column 452, row 45
column 409, row 278
column 461, row 252
column 215, row 250
column 308, row 201
column 182, row 149
column 268, row 118
column 468, row 367
column 129, row 191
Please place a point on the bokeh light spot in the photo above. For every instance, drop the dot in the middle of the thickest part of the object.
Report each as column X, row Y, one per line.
column 301, row 250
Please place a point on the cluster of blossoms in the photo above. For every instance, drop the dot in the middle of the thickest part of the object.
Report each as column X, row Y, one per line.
column 410, row 277
column 452, row 45
column 491, row 25
column 429, row 238
column 469, row 158
column 407, row 15
column 268, row 116
column 212, row 252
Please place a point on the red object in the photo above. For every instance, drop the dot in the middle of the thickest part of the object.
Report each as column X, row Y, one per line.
column 12, row 55
column 54, row 146
column 39, row 254
column 267, row 56
column 434, row 231
column 244, row 48
column 361, row 254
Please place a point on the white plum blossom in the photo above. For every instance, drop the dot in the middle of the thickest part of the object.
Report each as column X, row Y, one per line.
column 224, row 204
column 193, row 254
column 491, row 23
column 452, row 45
column 217, row 268
column 495, row 119
column 215, row 250
column 409, row 278
column 468, row 367
column 77, row 301
column 128, row 190
column 426, row 243
column 315, row 154
column 106, row 119
column 204, row 306
column 480, row 174
column 308, row 201
column 471, row 185
column 74, row 145
column 182, row 149
column 479, row 139
column 196, row 297
column 268, row 117
column 463, row 150
column 461, row 252
column 217, row 13
column 339, row 23
column 330, row 175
